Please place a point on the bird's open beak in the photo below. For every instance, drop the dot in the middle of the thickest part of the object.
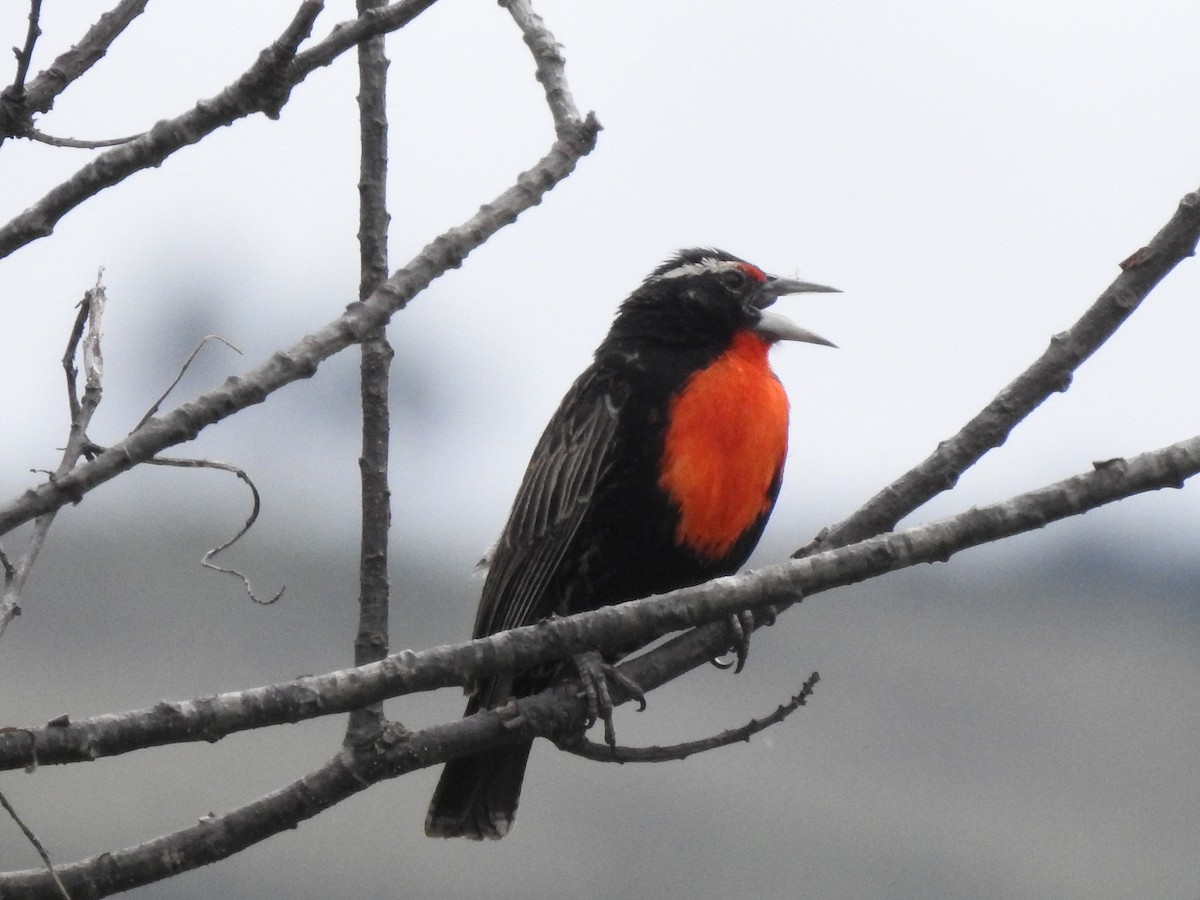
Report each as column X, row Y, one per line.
column 780, row 287
column 775, row 327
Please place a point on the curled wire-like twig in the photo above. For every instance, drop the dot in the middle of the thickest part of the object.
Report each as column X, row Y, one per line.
column 249, row 523
column 213, row 464
column 618, row 754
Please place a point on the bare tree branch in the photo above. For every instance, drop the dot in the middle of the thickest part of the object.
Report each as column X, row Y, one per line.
column 213, row 838
column 629, row 624
column 606, row 753
column 41, row 93
column 1050, row 373
column 551, row 67
column 25, row 55
column 14, row 114
column 263, row 88
column 86, row 331
column 301, row 361
column 371, row 641
column 560, row 711
column 379, row 21
column 217, row 837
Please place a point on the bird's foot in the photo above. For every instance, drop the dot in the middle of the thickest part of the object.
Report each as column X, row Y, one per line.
column 741, row 625
column 595, row 674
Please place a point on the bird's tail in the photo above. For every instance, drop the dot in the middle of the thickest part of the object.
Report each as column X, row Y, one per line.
column 477, row 796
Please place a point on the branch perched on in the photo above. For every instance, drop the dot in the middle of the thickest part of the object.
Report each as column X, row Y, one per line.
column 1175, row 242
column 635, row 623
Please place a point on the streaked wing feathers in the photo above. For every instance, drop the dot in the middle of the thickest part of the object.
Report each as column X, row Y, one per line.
column 568, row 464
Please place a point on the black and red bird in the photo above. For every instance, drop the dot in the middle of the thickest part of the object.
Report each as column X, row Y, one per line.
column 658, row 471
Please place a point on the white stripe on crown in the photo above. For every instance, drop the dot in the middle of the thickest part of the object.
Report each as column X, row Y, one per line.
column 708, row 264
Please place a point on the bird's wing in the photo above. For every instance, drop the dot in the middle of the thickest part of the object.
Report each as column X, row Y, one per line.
column 568, row 464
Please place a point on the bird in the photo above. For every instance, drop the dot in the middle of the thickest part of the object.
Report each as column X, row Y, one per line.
column 658, row 471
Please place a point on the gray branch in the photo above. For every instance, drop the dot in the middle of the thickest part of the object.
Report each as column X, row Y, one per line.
column 629, row 624
column 1050, row 373
column 263, row 88
column 374, row 590
column 301, row 360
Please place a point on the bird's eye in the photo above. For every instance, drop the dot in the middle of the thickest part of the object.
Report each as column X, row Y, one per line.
column 733, row 278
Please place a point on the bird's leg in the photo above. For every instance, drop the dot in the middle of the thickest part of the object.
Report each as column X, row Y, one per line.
column 594, row 674
column 741, row 624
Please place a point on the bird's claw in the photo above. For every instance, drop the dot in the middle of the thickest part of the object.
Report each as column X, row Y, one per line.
column 741, row 624
column 594, row 675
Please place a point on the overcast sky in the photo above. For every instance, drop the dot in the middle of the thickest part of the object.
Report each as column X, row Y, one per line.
column 970, row 175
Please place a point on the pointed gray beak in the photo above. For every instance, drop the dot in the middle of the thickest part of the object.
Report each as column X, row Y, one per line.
column 775, row 327
column 780, row 287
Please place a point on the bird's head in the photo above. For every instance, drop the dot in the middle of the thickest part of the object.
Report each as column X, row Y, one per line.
column 705, row 296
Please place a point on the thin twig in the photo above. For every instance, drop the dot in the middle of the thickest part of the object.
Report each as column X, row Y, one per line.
column 91, row 312
column 157, row 404
column 15, row 117
column 37, row 845
column 68, row 358
column 25, row 55
column 9, row 572
column 618, row 754
column 249, row 523
column 256, row 504
column 75, row 143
